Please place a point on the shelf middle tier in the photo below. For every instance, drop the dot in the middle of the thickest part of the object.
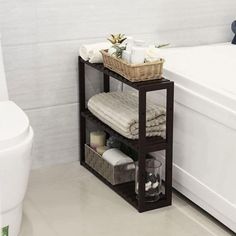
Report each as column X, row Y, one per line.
column 151, row 144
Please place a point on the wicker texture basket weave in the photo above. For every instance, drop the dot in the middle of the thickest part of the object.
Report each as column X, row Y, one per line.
column 133, row 72
column 113, row 174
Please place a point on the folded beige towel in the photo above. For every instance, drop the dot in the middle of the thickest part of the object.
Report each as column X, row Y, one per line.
column 119, row 110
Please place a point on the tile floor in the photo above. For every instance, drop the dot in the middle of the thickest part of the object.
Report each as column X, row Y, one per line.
column 66, row 200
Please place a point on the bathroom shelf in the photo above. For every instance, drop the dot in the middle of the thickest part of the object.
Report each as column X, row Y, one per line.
column 143, row 145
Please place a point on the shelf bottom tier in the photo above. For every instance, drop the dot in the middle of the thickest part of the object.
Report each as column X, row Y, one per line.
column 126, row 191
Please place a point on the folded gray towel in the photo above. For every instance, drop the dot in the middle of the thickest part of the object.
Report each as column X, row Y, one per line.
column 119, row 110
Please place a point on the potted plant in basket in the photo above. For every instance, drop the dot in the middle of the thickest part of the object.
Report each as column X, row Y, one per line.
column 117, row 47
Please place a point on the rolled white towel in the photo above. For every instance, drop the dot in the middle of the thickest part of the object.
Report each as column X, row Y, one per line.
column 92, row 52
column 116, row 157
column 95, row 56
column 153, row 54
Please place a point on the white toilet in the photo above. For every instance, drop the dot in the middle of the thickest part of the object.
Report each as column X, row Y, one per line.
column 16, row 137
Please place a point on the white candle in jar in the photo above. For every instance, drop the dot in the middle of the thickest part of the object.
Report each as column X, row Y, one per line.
column 138, row 55
column 126, row 56
column 129, row 43
column 97, row 139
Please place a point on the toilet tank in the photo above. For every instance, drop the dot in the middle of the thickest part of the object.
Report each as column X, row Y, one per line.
column 3, row 84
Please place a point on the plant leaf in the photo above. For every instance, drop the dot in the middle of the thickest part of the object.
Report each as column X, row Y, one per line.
column 162, row 45
column 122, row 40
column 110, row 40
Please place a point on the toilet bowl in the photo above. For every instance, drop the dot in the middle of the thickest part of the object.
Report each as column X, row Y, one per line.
column 16, row 137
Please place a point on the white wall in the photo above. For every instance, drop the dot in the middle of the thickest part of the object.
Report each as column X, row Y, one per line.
column 41, row 40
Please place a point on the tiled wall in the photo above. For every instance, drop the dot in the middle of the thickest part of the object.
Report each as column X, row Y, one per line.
column 41, row 40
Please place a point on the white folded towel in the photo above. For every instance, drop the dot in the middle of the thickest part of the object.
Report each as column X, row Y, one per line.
column 91, row 52
column 153, row 54
column 116, row 157
column 119, row 110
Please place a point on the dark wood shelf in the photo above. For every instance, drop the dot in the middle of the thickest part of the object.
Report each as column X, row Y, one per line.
column 126, row 191
column 137, row 85
column 152, row 143
column 143, row 146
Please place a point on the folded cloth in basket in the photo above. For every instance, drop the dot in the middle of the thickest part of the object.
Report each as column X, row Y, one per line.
column 91, row 52
column 116, row 157
column 119, row 110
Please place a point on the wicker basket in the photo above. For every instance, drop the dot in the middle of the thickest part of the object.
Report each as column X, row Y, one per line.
column 113, row 174
column 133, row 72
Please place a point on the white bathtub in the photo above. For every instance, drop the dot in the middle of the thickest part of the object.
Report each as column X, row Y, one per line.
column 205, row 126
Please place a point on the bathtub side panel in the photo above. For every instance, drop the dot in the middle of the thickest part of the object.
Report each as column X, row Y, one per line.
column 204, row 158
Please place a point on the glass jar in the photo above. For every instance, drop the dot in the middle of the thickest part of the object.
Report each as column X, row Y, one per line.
column 152, row 180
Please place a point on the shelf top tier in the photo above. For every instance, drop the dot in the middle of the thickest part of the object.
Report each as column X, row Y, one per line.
column 148, row 85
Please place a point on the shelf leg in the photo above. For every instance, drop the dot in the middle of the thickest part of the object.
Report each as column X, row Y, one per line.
column 141, row 152
column 106, row 83
column 169, row 138
column 82, row 122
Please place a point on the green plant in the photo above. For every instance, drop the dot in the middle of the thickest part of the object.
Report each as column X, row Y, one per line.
column 117, row 38
column 162, row 45
column 5, row 231
column 118, row 51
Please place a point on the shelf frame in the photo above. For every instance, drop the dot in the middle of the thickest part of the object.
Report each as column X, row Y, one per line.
column 143, row 145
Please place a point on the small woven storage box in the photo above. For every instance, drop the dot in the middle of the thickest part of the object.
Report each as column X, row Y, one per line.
column 114, row 174
column 133, row 72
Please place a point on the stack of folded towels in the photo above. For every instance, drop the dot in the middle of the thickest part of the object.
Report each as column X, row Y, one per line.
column 119, row 110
